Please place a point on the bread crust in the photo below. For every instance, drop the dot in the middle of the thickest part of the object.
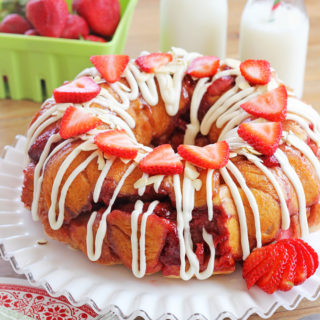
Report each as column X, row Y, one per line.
column 154, row 125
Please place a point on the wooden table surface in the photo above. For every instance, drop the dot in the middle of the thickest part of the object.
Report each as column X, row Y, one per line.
column 144, row 35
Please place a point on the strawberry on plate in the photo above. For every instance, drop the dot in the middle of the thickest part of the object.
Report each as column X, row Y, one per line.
column 256, row 71
column 77, row 91
column 204, row 66
column 151, row 62
column 271, row 105
column 308, row 267
column 212, row 156
column 257, row 264
column 75, row 27
column 280, row 266
column 76, row 121
column 255, row 259
column 271, row 280
column 116, row 143
column 48, row 16
column 289, row 273
column 161, row 160
column 312, row 252
column 262, row 136
column 14, row 23
column 110, row 66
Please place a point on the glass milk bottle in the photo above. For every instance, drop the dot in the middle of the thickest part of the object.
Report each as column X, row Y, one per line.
column 277, row 31
column 194, row 25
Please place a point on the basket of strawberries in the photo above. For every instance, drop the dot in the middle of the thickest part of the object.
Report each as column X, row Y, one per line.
column 46, row 42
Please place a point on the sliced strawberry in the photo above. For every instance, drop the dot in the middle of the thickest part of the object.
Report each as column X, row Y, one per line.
column 261, row 269
column 270, row 161
column 212, row 156
column 271, row 280
column 161, row 160
column 312, row 252
column 271, row 105
column 307, row 257
column 254, row 259
column 256, row 71
column 205, row 66
column 110, row 66
column 77, row 91
column 289, row 273
column 302, row 268
column 76, row 121
column 264, row 137
column 221, row 85
column 153, row 61
column 116, row 143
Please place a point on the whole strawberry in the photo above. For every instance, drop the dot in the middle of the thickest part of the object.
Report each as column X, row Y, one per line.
column 75, row 27
column 49, row 17
column 13, row 23
column 102, row 16
column 91, row 37
column 31, row 32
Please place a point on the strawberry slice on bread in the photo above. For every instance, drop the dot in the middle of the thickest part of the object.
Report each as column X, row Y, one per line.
column 76, row 121
column 262, row 136
column 77, row 91
column 110, row 66
column 116, row 143
column 256, row 71
column 205, row 66
column 281, row 265
column 161, row 160
column 151, row 62
column 212, row 156
column 221, row 85
column 271, row 105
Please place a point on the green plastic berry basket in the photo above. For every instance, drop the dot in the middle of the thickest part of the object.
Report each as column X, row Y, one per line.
column 32, row 66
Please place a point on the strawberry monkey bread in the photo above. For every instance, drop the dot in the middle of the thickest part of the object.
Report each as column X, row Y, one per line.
column 173, row 162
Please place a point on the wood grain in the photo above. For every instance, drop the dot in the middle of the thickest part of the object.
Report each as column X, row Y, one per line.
column 144, row 35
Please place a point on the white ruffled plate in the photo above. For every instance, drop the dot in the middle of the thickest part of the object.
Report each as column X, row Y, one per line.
column 63, row 271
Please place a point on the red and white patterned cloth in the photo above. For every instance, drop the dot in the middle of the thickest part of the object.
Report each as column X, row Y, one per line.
column 38, row 304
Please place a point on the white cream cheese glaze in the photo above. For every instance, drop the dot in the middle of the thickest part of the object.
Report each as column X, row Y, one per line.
column 226, row 113
column 139, row 273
